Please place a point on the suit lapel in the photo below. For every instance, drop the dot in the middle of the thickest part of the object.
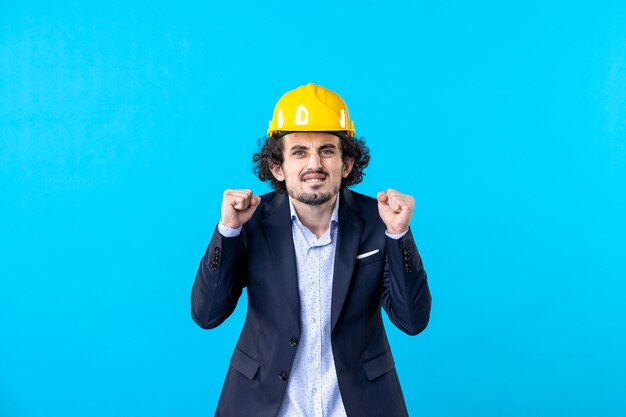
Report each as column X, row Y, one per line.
column 277, row 226
column 349, row 235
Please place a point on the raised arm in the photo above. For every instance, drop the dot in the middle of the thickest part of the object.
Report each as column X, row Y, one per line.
column 221, row 275
column 405, row 296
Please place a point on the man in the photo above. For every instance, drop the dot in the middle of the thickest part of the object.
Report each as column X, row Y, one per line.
column 318, row 262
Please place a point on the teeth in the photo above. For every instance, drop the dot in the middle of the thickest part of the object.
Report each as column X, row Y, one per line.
column 314, row 180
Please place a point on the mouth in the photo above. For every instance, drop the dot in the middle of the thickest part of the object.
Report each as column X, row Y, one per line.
column 313, row 178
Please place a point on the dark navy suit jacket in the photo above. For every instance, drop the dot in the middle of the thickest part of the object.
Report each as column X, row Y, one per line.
column 262, row 258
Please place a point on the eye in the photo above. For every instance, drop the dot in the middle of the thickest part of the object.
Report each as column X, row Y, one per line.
column 297, row 153
column 327, row 152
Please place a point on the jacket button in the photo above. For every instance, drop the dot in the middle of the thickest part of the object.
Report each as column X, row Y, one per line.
column 293, row 341
column 283, row 376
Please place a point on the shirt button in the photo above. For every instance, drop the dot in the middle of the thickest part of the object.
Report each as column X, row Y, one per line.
column 283, row 376
column 293, row 341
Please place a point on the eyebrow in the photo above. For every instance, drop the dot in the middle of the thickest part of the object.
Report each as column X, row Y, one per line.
column 305, row 148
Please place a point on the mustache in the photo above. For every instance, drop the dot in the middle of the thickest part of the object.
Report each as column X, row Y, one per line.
column 319, row 171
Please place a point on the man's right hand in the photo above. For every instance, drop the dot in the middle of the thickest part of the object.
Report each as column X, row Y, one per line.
column 238, row 206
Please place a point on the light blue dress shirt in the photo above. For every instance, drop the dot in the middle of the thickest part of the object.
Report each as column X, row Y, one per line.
column 313, row 389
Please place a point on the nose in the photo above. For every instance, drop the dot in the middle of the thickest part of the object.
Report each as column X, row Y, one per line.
column 315, row 162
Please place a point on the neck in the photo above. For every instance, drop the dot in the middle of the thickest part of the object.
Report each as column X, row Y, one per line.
column 315, row 218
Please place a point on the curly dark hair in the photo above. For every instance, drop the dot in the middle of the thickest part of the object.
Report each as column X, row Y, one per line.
column 271, row 154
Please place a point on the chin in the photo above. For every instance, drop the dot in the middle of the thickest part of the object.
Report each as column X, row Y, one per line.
column 314, row 197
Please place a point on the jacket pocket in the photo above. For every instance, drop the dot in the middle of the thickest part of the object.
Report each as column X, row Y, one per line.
column 243, row 363
column 370, row 259
column 378, row 366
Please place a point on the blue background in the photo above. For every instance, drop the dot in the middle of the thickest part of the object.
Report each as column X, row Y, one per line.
column 121, row 123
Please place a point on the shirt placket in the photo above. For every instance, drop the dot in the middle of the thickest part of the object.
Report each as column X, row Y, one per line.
column 316, row 324
column 325, row 303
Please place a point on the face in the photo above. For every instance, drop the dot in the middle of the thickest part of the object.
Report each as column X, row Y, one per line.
column 313, row 167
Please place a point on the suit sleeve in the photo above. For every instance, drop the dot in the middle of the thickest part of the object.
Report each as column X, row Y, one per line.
column 405, row 296
column 219, row 281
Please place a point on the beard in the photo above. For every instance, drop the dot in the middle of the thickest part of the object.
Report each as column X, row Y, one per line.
column 314, row 199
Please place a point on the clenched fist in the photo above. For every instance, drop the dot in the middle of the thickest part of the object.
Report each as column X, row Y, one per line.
column 238, row 206
column 396, row 210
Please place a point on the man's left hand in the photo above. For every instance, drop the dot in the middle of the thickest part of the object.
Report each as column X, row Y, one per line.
column 396, row 210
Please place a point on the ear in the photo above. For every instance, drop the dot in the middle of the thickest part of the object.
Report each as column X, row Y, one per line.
column 277, row 172
column 348, row 163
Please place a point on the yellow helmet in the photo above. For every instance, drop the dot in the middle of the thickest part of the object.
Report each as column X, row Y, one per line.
column 311, row 108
